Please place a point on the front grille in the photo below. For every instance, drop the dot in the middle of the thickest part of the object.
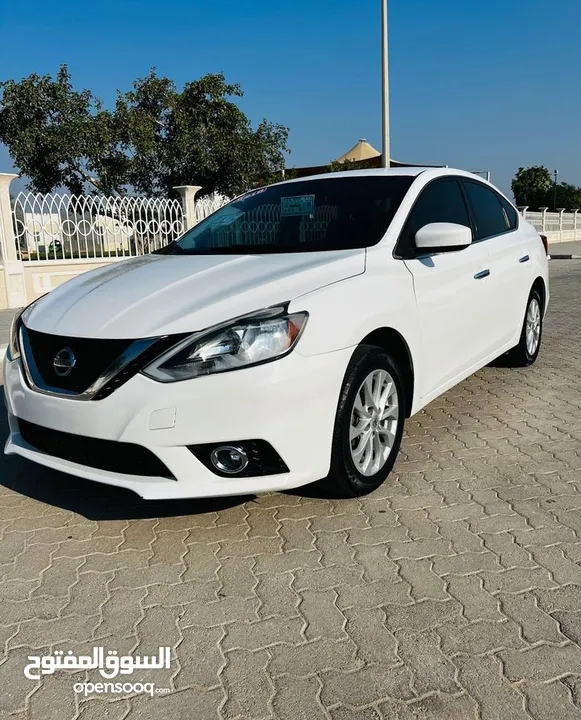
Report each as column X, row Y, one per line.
column 92, row 356
column 118, row 457
column 120, row 360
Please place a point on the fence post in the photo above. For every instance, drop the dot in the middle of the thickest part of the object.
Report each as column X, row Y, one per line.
column 523, row 210
column 188, row 196
column 561, row 212
column 13, row 268
column 575, row 211
column 544, row 218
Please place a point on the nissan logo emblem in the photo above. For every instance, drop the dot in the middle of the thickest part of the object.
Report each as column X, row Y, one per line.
column 64, row 362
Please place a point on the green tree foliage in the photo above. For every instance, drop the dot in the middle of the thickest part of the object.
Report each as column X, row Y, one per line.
column 535, row 187
column 156, row 137
column 342, row 166
column 568, row 197
column 531, row 185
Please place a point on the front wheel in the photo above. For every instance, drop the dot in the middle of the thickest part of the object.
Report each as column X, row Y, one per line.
column 369, row 423
column 527, row 350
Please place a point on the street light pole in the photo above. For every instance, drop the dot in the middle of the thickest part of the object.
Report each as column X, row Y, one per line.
column 555, row 173
column 385, row 156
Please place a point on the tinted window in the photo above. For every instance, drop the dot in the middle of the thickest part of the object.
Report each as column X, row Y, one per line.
column 488, row 213
column 510, row 212
column 440, row 201
column 304, row 216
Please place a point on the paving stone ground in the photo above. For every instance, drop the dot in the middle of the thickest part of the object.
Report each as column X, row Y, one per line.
column 451, row 593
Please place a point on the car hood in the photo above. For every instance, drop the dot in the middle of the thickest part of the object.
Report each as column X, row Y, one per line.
column 165, row 294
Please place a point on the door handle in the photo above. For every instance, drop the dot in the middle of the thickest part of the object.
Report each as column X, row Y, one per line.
column 524, row 258
column 482, row 274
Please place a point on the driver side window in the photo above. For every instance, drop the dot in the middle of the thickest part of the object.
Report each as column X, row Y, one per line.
column 441, row 201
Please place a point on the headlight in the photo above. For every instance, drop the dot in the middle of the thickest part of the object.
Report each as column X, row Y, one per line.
column 244, row 342
column 14, row 342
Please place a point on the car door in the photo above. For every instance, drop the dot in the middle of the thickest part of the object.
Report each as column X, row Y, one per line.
column 496, row 226
column 450, row 288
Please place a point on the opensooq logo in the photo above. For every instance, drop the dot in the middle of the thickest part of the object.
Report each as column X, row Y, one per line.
column 110, row 665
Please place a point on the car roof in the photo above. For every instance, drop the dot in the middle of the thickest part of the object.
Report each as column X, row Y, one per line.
column 411, row 171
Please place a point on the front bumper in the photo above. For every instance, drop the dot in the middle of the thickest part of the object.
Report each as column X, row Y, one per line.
column 290, row 403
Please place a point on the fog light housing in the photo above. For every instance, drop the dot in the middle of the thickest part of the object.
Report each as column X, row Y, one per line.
column 229, row 459
column 225, row 458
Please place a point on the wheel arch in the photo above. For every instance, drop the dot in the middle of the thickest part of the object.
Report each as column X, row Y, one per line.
column 394, row 343
column 540, row 287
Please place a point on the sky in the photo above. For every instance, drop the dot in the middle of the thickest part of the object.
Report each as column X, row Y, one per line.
column 476, row 84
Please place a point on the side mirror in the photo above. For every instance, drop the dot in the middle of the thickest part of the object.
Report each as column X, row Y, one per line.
column 443, row 237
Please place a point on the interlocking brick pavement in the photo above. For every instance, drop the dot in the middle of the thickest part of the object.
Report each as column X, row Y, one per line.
column 451, row 593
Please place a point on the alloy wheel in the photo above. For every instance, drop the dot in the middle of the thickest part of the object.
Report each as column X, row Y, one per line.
column 374, row 420
column 533, row 326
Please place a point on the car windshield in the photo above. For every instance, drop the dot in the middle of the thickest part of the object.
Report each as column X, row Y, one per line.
column 304, row 216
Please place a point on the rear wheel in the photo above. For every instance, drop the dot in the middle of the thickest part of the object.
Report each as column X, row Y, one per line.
column 369, row 423
column 527, row 350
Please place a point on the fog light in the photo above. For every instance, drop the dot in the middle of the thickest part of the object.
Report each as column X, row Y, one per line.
column 229, row 459
column 244, row 458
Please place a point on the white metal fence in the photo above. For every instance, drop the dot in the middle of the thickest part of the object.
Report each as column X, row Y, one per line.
column 77, row 227
column 71, row 227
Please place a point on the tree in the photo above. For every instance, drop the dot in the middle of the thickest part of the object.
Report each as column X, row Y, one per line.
column 530, row 186
column 568, row 197
column 155, row 138
column 50, row 130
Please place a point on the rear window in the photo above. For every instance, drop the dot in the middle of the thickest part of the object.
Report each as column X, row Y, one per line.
column 305, row 216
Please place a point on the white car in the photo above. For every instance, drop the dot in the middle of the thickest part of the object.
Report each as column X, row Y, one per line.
column 282, row 340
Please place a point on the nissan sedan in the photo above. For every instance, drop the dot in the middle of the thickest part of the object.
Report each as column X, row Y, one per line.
column 282, row 340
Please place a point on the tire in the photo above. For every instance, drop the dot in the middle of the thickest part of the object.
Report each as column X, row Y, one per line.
column 380, row 433
column 529, row 345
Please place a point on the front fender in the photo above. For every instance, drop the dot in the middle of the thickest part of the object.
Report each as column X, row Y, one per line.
column 341, row 315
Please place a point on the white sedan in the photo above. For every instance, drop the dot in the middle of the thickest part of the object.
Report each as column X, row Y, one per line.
column 280, row 341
